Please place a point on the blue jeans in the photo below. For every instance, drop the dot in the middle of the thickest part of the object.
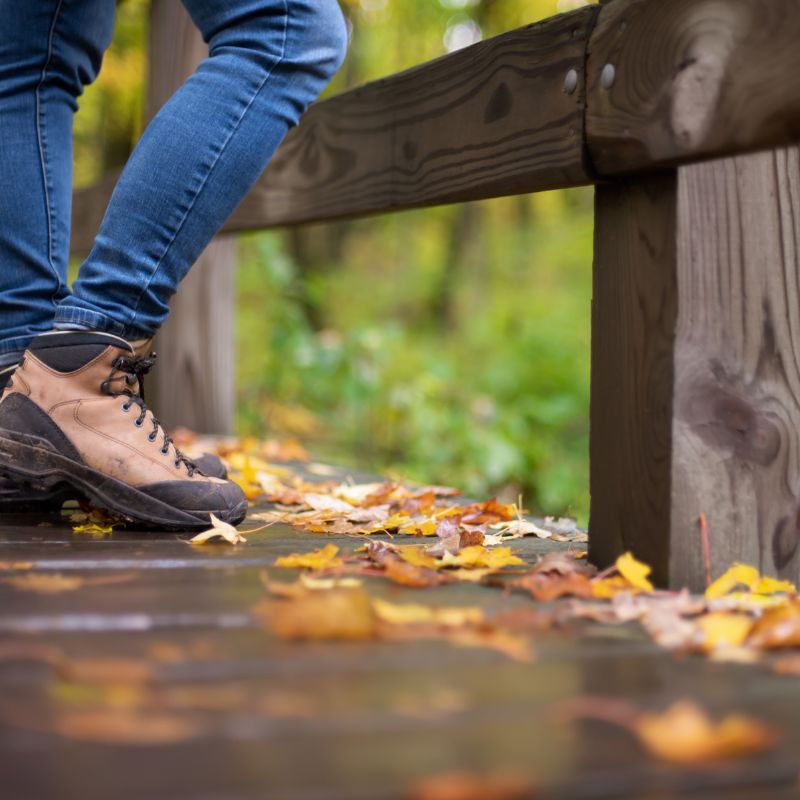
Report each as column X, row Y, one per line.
column 268, row 59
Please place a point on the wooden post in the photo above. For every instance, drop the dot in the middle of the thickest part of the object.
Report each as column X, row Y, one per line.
column 696, row 368
column 634, row 306
column 194, row 383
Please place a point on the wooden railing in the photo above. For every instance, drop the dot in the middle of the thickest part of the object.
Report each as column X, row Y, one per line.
column 695, row 406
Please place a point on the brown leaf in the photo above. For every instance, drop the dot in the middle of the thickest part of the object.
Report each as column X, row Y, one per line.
column 547, row 586
column 407, row 574
column 778, row 627
column 469, row 786
column 338, row 614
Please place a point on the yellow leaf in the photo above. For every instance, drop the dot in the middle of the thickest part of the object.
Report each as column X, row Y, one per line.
column 478, row 556
column 767, row 585
column 635, row 572
column 719, row 629
column 218, row 530
column 416, row 555
column 737, row 575
column 404, row 614
column 424, row 528
column 324, row 584
column 93, row 528
column 606, row 588
column 316, row 559
column 392, row 523
column 417, row 614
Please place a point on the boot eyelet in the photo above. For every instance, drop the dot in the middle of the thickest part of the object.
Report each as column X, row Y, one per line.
column 126, row 407
column 152, row 436
column 177, row 464
column 164, row 452
column 137, row 423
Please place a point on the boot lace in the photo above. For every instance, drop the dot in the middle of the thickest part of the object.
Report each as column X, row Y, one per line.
column 131, row 371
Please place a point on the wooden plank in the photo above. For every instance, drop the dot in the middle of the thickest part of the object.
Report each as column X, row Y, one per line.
column 692, row 79
column 634, row 308
column 194, row 384
column 736, row 437
column 489, row 120
column 695, row 368
column 195, row 380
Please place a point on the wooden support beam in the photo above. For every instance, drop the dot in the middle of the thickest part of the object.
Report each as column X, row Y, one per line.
column 672, row 81
column 194, row 382
column 634, row 311
column 696, row 368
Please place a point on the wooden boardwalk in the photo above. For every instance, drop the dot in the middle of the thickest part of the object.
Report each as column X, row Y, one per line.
column 153, row 680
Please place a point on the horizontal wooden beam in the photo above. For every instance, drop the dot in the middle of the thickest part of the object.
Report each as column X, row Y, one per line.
column 675, row 81
column 668, row 82
column 489, row 120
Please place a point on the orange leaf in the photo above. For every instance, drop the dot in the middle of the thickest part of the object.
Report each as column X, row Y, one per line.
column 684, row 734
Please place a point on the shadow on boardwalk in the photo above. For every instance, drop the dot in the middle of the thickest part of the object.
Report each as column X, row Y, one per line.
column 153, row 679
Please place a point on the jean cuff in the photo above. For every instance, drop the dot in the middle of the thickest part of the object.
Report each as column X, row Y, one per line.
column 8, row 359
column 70, row 318
column 13, row 348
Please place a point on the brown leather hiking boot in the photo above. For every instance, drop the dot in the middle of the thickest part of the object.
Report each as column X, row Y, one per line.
column 72, row 414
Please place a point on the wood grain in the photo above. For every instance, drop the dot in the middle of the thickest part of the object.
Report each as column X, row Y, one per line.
column 694, row 79
column 194, row 383
column 736, row 434
column 633, row 323
column 490, row 120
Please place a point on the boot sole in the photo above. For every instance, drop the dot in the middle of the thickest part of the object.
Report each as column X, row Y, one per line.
column 23, row 499
column 44, row 469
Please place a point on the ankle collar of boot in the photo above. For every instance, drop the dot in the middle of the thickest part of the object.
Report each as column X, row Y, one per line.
column 67, row 351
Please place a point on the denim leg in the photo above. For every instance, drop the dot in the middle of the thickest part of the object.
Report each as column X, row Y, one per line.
column 49, row 50
column 200, row 155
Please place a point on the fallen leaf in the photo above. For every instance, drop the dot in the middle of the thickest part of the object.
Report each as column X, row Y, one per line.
column 410, row 574
column 326, row 558
column 470, row 786
column 478, row 556
column 778, row 627
column 416, row 614
column 737, row 575
column 635, row 572
column 338, row 614
column 719, row 629
column 55, row 582
column 684, row 734
column 218, row 530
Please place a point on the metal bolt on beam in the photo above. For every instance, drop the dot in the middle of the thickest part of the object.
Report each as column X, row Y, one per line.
column 571, row 81
column 607, row 76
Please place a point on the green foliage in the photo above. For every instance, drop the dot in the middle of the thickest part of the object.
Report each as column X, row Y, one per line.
column 495, row 400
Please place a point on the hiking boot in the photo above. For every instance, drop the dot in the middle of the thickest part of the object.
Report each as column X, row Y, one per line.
column 73, row 414
column 20, row 497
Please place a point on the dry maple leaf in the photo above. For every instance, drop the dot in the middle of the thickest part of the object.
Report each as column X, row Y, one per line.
column 684, row 734
column 719, row 629
column 326, row 558
column 218, row 530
